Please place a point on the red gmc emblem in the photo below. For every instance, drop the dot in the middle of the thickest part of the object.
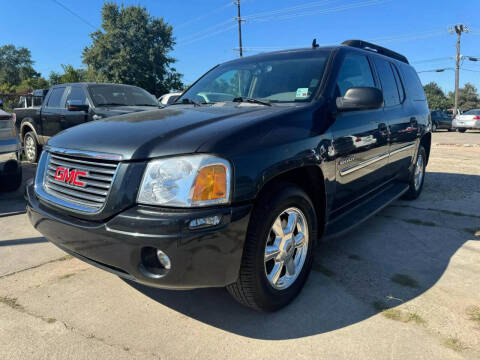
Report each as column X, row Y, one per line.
column 69, row 176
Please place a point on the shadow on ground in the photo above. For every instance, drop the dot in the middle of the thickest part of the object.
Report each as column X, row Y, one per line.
column 386, row 261
column 26, row 241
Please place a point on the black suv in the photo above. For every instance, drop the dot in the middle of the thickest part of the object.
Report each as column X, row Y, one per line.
column 234, row 184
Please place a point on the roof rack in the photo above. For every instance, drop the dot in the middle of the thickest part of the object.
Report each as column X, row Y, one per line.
column 360, row 44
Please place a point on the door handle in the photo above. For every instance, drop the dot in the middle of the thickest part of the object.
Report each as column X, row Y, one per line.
column 62, row 117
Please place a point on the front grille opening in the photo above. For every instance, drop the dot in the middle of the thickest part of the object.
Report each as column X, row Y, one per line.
column 89, row 189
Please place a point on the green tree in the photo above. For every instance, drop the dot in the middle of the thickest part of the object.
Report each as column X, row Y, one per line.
column 16, row 65
column 133, row 49
column 467, row 97
column 436, row 98
column 31, row 84
column 70, row 75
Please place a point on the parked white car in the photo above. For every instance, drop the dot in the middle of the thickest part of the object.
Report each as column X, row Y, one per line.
column 170, row 98
column 468, row 120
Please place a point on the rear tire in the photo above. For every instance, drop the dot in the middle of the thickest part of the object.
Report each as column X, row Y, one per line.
column 277, row 255
column 417, row 176
column 462, row 130
column 30, row 147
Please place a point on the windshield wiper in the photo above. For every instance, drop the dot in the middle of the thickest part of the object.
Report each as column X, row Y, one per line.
column 146, row 105
column 187, row 101
column 112, row 104
column 251, row 100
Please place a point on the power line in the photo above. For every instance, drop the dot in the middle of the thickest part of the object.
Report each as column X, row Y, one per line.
column 75, row 14
column 433, row 60
column 194, row 20
column 469, row 70
column 435, row 70
column 289, row 9
column 206, row 31
column 277, row 17
column 188, row 42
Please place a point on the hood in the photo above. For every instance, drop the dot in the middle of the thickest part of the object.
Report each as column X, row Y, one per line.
column 178, row 129
column 108, row 111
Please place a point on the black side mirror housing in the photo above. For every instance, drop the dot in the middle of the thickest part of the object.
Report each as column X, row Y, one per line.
column 77, row 105
column 360, row 98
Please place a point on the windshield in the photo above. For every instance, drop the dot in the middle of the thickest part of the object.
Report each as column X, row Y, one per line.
column 118, row 95
column 472, row 112
column 279, row 78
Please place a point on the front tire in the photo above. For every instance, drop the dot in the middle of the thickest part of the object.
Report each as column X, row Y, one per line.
column 30, row 147
column 277, row 255
column 417, row 177
column 434, row 127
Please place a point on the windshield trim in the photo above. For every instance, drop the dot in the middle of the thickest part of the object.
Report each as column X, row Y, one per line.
column 328, row 52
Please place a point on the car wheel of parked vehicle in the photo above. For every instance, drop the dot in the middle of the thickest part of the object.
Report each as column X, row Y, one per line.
column 434, row 127
column 30, row 147
column 462, row 130
column 277, row 256
column 417, row 177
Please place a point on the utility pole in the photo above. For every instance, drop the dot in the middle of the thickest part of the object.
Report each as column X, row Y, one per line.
column 458, row 29
column 239, row 18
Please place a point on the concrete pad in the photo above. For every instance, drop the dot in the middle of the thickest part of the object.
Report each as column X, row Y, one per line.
column 400, row 286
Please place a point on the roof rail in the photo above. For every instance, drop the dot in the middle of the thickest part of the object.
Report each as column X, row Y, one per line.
column 360, row 44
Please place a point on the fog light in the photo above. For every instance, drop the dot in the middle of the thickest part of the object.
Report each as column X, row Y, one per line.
column 206, row 221
column 155, row 263
column 164, row 259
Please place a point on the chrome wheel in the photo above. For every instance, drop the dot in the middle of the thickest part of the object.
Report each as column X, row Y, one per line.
column 419, row 171
column 434, row 127
column 30, row 148
column 286, row 248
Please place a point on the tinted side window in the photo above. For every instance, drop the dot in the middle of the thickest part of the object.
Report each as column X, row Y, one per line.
column 401, row 89
column 55, row 98
column 389, row 85
column 77, row 94
column 413, row 86
column 355, row 72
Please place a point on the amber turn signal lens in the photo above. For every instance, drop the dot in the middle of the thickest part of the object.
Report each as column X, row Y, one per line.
column 211, row 183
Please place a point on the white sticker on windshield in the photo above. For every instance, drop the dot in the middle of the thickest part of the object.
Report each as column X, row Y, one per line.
column 302, row 93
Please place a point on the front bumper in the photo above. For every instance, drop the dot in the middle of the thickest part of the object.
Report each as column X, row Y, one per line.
column 208, row 257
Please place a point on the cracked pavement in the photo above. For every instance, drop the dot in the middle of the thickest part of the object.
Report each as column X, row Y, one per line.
column 403, row 285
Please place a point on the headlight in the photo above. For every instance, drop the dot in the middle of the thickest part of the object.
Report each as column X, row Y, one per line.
column 184, row 181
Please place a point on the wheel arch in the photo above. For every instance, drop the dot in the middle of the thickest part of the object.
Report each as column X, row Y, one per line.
column 309, row 178
column 25, row 127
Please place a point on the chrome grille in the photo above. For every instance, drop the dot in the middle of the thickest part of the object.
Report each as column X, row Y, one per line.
column 96, row 183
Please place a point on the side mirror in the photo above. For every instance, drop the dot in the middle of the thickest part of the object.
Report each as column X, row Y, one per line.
column 360, row 98
column 1, row 104
column 76, row 105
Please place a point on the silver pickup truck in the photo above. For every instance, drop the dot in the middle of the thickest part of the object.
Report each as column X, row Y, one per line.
column 10, row 169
